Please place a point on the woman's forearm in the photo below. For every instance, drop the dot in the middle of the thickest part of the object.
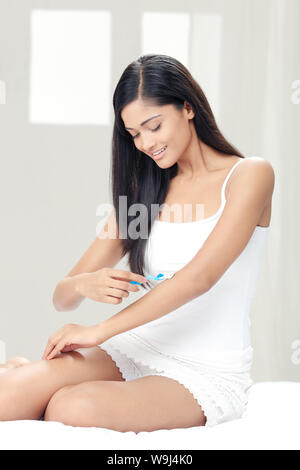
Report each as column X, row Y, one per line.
column 65, row 296
column 164, row 298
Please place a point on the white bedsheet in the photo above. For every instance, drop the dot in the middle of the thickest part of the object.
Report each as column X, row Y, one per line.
column 271, row 422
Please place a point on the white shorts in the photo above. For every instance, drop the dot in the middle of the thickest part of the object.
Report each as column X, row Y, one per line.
column 223, row 396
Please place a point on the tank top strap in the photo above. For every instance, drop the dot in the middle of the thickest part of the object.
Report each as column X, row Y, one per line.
column 228, row 176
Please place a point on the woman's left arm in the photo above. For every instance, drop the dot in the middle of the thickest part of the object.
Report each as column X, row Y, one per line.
column 248, row 195
column 247, row 198
column 163, row 299
column 167, row 296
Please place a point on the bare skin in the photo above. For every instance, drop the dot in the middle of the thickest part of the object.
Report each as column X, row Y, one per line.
column 26, row 390
column 205, row 191
column 85, row 388
column 201, row 168
column 145, row 404
column 13, row 363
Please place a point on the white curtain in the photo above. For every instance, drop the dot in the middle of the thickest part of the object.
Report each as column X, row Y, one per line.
column 253, row 48
column 258, row 112
column 275, row 311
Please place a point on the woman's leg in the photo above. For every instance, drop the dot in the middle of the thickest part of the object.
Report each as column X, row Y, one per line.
column 25, row 391
column 13, row 363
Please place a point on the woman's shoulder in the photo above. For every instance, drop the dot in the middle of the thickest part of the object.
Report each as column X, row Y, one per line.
column 252, row 170
column 256, row 162
column 256, row 158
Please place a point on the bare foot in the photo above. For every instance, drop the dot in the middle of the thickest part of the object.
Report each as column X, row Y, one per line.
column 13, row 363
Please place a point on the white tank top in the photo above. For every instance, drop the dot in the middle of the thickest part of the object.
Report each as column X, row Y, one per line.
column 213, row 328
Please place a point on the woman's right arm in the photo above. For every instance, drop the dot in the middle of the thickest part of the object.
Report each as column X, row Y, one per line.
column 103, row 252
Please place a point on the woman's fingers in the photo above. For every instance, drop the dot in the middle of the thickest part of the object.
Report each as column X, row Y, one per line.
column 70, row 337
column 47, row 350
column 57, row 349
column 50, row 345
column 70, row 347
column 123, row 285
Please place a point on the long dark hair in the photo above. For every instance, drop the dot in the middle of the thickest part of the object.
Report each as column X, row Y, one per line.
column 162, row 80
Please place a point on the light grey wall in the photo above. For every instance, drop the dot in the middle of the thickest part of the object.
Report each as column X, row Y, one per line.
column 52, row 180
column 54, row 177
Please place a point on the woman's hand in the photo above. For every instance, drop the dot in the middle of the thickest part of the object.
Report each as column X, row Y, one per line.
column 71, row 337
column 108, row 285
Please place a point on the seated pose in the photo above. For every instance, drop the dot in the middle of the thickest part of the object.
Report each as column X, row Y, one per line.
column 181, row 355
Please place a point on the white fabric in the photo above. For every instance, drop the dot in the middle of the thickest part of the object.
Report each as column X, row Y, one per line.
column 222, row 395
column 271, row 422
column 214, row 328
column 204, row 344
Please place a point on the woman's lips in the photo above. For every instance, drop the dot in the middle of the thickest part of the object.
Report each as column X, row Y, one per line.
column 160, row 155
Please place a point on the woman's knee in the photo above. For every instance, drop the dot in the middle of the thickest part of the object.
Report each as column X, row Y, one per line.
column 71, row 406
column 59, row 404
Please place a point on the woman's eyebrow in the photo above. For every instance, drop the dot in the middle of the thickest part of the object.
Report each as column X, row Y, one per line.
column 144, row 122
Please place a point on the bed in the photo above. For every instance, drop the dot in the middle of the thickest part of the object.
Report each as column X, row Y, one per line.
column 270, row 422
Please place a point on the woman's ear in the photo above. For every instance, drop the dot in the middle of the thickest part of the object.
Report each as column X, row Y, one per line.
column 189, row 110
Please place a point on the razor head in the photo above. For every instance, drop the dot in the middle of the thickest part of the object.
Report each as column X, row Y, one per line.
column 159, row 277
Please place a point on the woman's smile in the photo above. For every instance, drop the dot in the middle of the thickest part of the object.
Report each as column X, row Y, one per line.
column 159, row 155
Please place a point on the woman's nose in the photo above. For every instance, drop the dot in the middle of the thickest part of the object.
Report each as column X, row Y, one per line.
column 148, row 145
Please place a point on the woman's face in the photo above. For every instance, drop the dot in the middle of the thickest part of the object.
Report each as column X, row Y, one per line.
column 165, row 127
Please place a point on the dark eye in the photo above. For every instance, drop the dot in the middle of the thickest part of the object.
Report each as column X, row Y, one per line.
column 153, row 130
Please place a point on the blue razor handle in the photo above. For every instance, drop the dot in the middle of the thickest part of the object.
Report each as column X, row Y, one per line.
column 157, row 278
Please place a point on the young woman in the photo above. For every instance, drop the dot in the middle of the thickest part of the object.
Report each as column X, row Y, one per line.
column 181, row 355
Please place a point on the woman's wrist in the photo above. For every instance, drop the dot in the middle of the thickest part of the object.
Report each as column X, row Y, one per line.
column 103, row 332
column 78, row 282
